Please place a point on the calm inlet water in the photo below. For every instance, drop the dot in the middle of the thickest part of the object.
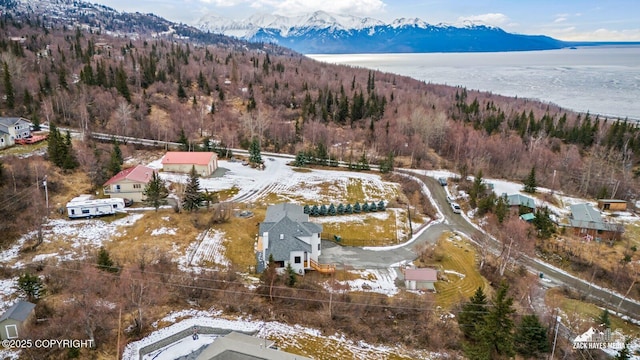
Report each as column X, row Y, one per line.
column 601, row 80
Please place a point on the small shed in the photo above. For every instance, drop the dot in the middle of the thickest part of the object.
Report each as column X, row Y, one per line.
column 612, row 205
column 420, row 279
column 528, row 217
column 12, row 322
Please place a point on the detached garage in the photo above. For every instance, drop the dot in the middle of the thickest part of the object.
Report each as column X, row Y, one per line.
column 612, row 205
column 12, row 322
column 420, row 279
column 182, row 162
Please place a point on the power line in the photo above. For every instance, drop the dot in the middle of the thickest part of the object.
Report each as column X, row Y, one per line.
column 248, row 292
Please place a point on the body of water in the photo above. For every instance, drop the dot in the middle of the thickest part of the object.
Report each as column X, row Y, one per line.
column 601, row 80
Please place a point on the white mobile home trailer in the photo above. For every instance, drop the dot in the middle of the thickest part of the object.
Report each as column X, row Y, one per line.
column 91, row 208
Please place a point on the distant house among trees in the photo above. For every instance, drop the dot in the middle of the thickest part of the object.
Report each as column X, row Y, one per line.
column 420, row 279
column 129, row 183
column 288, row 238
column 13, row 321
column 13, row 128
column 205, row 163
column 588, row 223
column 612, row 205
column 519, row 200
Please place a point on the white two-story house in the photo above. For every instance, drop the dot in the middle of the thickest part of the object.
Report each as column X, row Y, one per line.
column 289, row 238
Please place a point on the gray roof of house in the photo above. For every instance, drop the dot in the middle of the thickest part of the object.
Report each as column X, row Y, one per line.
column 238, row 346
column 281, row 246
column 584, row 216
column 278, row 211
column 585, row 212
column 286, row 223
column 10, row 121
column 19, row 311
column 521, row 200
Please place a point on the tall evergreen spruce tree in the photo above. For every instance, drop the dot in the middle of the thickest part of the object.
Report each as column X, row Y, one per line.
column 155, row 192
column 116, row 161
column 496, row 334
column 531, row 337
column 530, row 184
column 8, row 87
column 254, row 152
column 192, row 196
column 471, row 317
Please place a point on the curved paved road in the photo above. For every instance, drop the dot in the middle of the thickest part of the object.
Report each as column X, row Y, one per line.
column 362, row 258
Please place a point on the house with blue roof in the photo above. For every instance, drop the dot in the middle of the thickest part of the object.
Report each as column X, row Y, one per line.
column 519, row 200
column 289, row 238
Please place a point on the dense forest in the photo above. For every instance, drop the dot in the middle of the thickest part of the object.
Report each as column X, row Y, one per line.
column 170, row 88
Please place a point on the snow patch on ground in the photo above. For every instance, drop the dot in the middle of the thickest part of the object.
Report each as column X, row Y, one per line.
column 373, row 280
column 460, row 275
column 90, row 233
column 210, row 249
column 280, row 178
column 163, row 231
column 211, row 318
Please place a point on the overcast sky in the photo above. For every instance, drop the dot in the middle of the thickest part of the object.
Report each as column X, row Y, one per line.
column 615, row 20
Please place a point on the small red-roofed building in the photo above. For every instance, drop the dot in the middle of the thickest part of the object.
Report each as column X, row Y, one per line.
column 129, row 183
column 182, row 162
column 420, row 279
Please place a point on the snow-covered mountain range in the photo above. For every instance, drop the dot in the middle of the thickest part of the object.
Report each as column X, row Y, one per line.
column 318, row 32
column 322, row 32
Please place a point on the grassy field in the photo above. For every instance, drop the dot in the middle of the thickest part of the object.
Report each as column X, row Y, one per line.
column 583, row 314
column 18, row 150
column 333, row 348
column 366, row 229
column 456, row 256
column 138, row 243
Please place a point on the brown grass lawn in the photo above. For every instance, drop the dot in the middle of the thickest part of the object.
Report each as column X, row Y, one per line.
column 25, row 149
column 584, row 314
column 458, row 255
column 368, row 231
column 138, row 243
column 325, row 348
column 632, row 233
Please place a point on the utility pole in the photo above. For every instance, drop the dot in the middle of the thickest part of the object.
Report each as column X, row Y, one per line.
column 555, row 337
column 46, row 193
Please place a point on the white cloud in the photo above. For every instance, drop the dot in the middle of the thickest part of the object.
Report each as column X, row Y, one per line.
column 572, row 34
column 560, row 19
column 495, row 19
column 224, row 3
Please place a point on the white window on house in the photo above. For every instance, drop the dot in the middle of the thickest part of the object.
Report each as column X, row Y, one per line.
column 318, row 246
column 137, row 186
column 297, row 259
column 11, row 330
column 117, row 187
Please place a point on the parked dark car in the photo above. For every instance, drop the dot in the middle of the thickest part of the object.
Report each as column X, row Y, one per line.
column 127, row 202
column 442, row 181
